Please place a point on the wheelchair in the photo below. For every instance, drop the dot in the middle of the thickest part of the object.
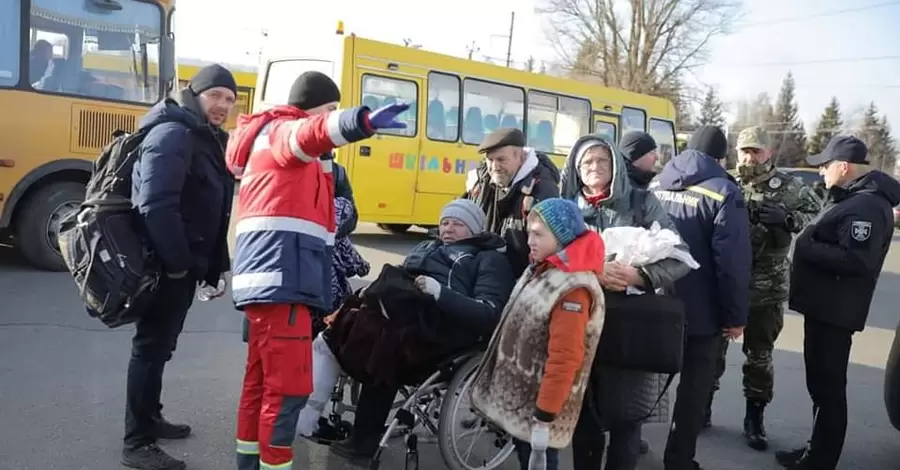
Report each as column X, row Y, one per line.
column 436, row 406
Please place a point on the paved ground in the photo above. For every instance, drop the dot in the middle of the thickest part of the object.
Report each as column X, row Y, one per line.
column 62, row 383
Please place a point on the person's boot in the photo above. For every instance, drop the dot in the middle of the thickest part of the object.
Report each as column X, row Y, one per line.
column 754, row 431
column 356, row 448
column 645, row 447
column 167, row 430
column 150, row 457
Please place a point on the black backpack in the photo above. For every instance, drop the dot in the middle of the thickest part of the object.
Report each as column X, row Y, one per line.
column 102, row 244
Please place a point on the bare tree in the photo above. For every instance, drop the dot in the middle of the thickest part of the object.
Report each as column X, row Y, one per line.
column 638, row 45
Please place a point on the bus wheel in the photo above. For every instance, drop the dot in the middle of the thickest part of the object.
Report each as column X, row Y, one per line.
column 38, row 222
column 395, row 228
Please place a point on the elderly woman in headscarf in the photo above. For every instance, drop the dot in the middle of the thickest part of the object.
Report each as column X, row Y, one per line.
column 595, row 176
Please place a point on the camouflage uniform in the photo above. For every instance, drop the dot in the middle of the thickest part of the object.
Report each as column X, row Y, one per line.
column 769, row 276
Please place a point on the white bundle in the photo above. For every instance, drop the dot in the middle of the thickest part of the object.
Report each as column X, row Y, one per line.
column 637, row 246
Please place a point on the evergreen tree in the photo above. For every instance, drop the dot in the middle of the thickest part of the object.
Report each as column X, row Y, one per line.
column 829, row 125
column 789, row 136
column 711, row 110
column 875, row 131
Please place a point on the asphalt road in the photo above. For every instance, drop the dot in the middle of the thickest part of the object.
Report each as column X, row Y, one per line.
column 62, row 383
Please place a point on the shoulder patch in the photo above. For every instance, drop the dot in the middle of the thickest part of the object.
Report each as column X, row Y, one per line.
column 775, row 182
column 571, row 306
column 860, row 230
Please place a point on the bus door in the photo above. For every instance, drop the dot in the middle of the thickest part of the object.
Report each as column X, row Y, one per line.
column 384, row 168
column 607, row 125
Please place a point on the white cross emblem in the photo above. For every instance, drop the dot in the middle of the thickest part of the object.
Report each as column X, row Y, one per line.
column 860, row 230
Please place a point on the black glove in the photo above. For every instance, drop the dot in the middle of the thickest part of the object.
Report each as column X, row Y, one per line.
column 772, row 214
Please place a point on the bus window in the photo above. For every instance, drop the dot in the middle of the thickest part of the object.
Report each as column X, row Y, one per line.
column 443, row 96
column 663, row 132
column 558, row 121
column 281, row 74
column 486, row 104
column 384, row 90
column 106, row 54
column 632, row 119
column 9, row 42
column 606, row 129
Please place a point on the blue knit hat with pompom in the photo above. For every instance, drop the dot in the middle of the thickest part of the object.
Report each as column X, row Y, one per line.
column 562, row 217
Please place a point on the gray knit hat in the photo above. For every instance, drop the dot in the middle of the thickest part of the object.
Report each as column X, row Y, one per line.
column 466, row 212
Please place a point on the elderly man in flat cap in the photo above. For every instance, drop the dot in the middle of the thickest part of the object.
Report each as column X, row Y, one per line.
column 512, row 179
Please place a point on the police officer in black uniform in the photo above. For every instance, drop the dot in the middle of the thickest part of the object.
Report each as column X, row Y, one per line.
column 837, row 261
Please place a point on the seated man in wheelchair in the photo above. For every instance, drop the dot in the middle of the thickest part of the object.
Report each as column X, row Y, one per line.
column 463, row 280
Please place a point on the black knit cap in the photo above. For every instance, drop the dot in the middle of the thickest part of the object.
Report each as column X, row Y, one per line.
column 711, row 141
column 212, row 76
column 636, row 144
column 313, row 89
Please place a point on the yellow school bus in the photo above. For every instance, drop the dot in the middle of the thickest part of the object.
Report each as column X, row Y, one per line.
column 116, row 68
column 58, row 113
column 403, row 177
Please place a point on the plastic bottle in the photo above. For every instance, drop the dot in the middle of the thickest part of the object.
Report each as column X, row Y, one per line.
column 207, row 292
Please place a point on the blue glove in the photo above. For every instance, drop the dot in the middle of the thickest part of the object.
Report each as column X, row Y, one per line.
column 385, row 117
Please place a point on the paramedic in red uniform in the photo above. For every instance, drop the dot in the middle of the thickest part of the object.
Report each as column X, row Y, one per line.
column 285, row 233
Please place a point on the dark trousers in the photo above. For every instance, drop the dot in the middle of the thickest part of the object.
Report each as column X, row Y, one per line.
column 155, row 339
column 523, row 451
column 763, row 327
column 589, row 443
column 697, row 376
column 826, row 354
column 372, row 410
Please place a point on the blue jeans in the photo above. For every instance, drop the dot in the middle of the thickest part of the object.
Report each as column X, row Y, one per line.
column 523, row 450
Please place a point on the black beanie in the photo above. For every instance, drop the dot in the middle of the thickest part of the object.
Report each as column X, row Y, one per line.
column 711, row 141
column 636, row 144
column 212, row 76
column 313, row 89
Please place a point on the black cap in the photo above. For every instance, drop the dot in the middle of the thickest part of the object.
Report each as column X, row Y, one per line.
column 636, row 144
column 843, row 148
column 212, row 76
column 501, row 138
column 313, row 89
column 711, row 141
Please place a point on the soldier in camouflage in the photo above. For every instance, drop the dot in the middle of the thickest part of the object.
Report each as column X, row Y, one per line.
column 779, row 206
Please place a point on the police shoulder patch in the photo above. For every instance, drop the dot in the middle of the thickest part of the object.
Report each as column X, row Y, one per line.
column 571, row 306
column 775, row 182
column 860, row 230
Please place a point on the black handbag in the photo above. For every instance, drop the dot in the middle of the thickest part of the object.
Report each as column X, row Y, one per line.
column 642, row 332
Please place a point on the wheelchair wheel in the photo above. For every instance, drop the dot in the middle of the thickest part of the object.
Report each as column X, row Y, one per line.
column 466, row 440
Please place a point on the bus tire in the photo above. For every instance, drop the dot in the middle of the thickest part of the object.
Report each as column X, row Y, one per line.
column 395, row 228
column 38, row 222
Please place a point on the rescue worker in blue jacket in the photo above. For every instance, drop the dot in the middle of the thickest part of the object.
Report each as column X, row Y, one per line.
column 182, row 193
column 707, row 207
column 836, row 264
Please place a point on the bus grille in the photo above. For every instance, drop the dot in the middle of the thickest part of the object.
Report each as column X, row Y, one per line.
column 94, row 128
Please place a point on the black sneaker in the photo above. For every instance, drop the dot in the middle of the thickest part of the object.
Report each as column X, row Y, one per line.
column 354, row 450
column 167, row 430
column 150, row 457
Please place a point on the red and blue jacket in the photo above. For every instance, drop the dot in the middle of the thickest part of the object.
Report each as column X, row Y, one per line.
column 285, row 211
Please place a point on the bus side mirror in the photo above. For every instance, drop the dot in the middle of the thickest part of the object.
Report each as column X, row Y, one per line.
column 167, row 59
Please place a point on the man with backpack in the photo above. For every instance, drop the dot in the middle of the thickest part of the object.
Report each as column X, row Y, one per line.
column 182, row 194
column 285, row 237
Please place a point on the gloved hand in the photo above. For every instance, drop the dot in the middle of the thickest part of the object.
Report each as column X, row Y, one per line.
column 540, row 437
column 429, row 286
column 772, row 214
column 385, row 117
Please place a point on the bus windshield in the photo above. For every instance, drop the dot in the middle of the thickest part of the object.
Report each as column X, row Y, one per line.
column 96, row 48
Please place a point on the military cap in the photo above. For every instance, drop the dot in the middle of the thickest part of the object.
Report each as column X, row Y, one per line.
column 501, row 138
column 754, row 137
